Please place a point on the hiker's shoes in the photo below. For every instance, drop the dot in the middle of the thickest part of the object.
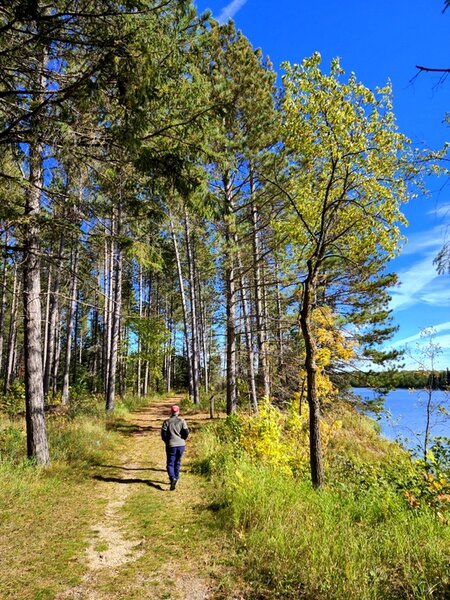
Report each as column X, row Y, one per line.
column 173, row 484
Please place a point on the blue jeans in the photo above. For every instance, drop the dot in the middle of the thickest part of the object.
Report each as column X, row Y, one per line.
column 174, row 461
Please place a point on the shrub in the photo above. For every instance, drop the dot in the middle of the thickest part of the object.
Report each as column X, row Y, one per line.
column 375, row 532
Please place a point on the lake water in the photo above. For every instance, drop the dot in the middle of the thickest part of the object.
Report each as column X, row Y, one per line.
column 404, row 415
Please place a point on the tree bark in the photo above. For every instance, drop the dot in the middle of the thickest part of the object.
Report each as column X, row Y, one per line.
column 53, row 322
column 194, row 329
column 317, row 474
column 70, row 325
column 230, row 286
column 263, row 363
column 108, row 274
column 12, row 336
column 3, row 304
column 183, row 302
column 47, row 317
column 117, row 264
column 280, row 352
column 37, row 445
column 248, row 337
column 139, row 363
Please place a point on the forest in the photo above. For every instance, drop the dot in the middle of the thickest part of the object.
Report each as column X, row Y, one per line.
column 176, row 217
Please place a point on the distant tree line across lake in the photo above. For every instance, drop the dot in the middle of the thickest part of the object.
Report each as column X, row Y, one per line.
column 438, row 380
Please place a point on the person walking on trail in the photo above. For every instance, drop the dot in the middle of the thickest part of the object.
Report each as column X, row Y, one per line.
column 174, row 433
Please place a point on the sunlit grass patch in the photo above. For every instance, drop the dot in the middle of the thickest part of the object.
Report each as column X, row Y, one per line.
column 360, row 537
column 46, row 513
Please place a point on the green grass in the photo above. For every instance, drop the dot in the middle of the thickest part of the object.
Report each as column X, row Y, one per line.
column 356, row 539
column 46, row 513
column 43, row 525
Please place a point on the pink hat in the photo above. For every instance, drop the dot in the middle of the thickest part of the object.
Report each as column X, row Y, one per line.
column 175, row 409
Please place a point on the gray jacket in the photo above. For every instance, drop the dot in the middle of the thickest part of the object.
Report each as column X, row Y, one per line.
column 174, row 431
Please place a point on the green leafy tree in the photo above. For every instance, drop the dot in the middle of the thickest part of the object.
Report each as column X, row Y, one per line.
column 349, row 169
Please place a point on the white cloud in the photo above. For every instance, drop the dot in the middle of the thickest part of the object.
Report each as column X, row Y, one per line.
column 413, row 281
column 430, row 240
column 440, row 211
column 443, row 340
column 230, row 10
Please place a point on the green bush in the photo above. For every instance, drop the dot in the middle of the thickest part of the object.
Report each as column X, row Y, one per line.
column 373, row 533
column 301, row 543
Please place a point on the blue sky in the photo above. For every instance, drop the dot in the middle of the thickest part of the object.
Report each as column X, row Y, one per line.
column 379, row 41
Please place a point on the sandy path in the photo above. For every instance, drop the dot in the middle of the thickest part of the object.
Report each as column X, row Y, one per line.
column 181, row 558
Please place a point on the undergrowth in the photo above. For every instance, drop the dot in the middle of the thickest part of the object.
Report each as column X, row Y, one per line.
column 378, row 530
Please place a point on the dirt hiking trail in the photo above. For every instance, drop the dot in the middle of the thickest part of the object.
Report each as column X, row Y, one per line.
column 149, row 542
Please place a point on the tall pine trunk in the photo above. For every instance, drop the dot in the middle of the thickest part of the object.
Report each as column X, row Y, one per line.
column 193, row 301
column 53, row 321
column 248, row 336
column 37, row 445
column 116, row 310
column 139, row 362
column 263, row 363
column 47, row 316
column 70, row 324
column 230, row 287
column 3, row 303
column 107, row 316
column 12, row 336
column 183, row 302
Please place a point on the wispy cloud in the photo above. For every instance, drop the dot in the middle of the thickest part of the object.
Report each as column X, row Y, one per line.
column 429, row 240
column 439, row 329
column 413, row 281
column 230, row 10
column 441, row 211
column 419, row 281
column 415, row 348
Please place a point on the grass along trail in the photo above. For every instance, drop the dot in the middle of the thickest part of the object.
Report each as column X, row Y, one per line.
column 149, row 542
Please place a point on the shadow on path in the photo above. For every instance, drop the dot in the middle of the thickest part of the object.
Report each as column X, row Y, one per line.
column 149, row 482
column 121, row 468
column 129, row 429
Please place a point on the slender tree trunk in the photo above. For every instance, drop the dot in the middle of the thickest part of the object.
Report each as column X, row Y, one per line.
column 117, row 264
column 76, row 335
column 121, row 360
column 203, row 336
column 70, row 324
column 146, row 377
column 317, row 474
column 263, row 366
column 50, row 354
column 230, row 286
column 194, row 329
column 168, row 352
column 108, row 253
column 139, row 364
column 12, row 336
column 3, row 304
column 47, row 317
column 248, row 337
column 57, row 359
column 279, row 318
column 98, row 346
column 183, row 303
